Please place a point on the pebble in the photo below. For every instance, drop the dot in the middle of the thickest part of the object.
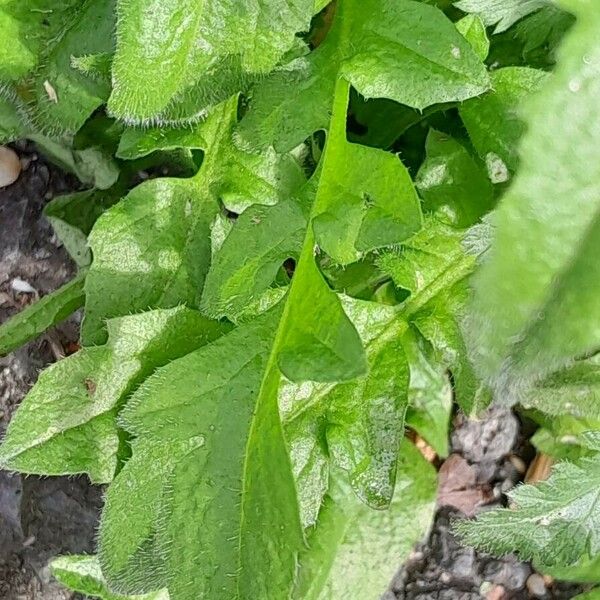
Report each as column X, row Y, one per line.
column 22, row 286
column 10, row 166
column 496, row 592
column 536, row 585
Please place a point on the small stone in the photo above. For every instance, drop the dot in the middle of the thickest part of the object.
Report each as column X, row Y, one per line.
column 10, row 166
column 496, row 592
column 536, row 585
column 518, row 463
column 22, row 286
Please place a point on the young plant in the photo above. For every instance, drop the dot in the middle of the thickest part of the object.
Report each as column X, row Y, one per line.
column 259, row 330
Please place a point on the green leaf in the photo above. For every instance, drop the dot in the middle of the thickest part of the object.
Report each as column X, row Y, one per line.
column 414, row 56
column 356, row 426
column 73, row 215
column 152, row 250
column 565, row 437
column 433, row 266
column 591, row 595
column 365, row 196
column 137, row 142
column 574, row 390
column 494, row 121
column 583, row 571
column 430, row 395
column 39, row 38
column 81, row 573
column 535, row 306
column 204, row 424
column 246, row 489
column 247, row 262
column 66, row 424
column 501, row 13
column 473, row 29
column 348, row 550
column 43, row 314
column 555, row 522
column 191, row 41
column 454, row 182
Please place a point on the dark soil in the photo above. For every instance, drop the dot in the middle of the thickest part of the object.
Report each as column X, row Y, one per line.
column 44, row 517
column 488, row 458
column 39, row 517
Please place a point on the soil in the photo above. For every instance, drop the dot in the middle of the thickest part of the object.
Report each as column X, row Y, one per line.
column 489, row 457
column 44, row 517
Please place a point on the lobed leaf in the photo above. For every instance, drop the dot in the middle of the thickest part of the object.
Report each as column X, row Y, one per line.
column 554, row 522
column 152, row 250
column 414, row 56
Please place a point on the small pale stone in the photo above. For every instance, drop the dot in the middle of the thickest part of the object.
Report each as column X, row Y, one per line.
column 21, row 286
column 536, row 585
column 10, row 166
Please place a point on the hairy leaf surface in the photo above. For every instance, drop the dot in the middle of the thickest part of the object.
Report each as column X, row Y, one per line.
column 152, row 250
column 81, row 573
column 414, row 56
column 536, row 303
column 67, row 422
column 188, row 41
column 555, row 522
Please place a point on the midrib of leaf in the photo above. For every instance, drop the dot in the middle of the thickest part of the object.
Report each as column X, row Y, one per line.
column 452, row 275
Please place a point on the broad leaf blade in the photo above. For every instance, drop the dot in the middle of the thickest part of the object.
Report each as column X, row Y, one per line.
column 67, row 422
column 348, row 551
column 535, row 305
column 188, row 41
column 414, row 56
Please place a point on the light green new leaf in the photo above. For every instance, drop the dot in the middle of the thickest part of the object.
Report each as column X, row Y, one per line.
column 37, row 317
column 473, row 28
column 501, row 13
column 152, row 250
column 403, row 50
column 535, row 306
column 495, row 120
column 67, row 422
column 454, row 182
column 365, row 197
column 353, row 551
column 187, row 42
column 81, row 573
column 555, row 522
column 38, row 40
